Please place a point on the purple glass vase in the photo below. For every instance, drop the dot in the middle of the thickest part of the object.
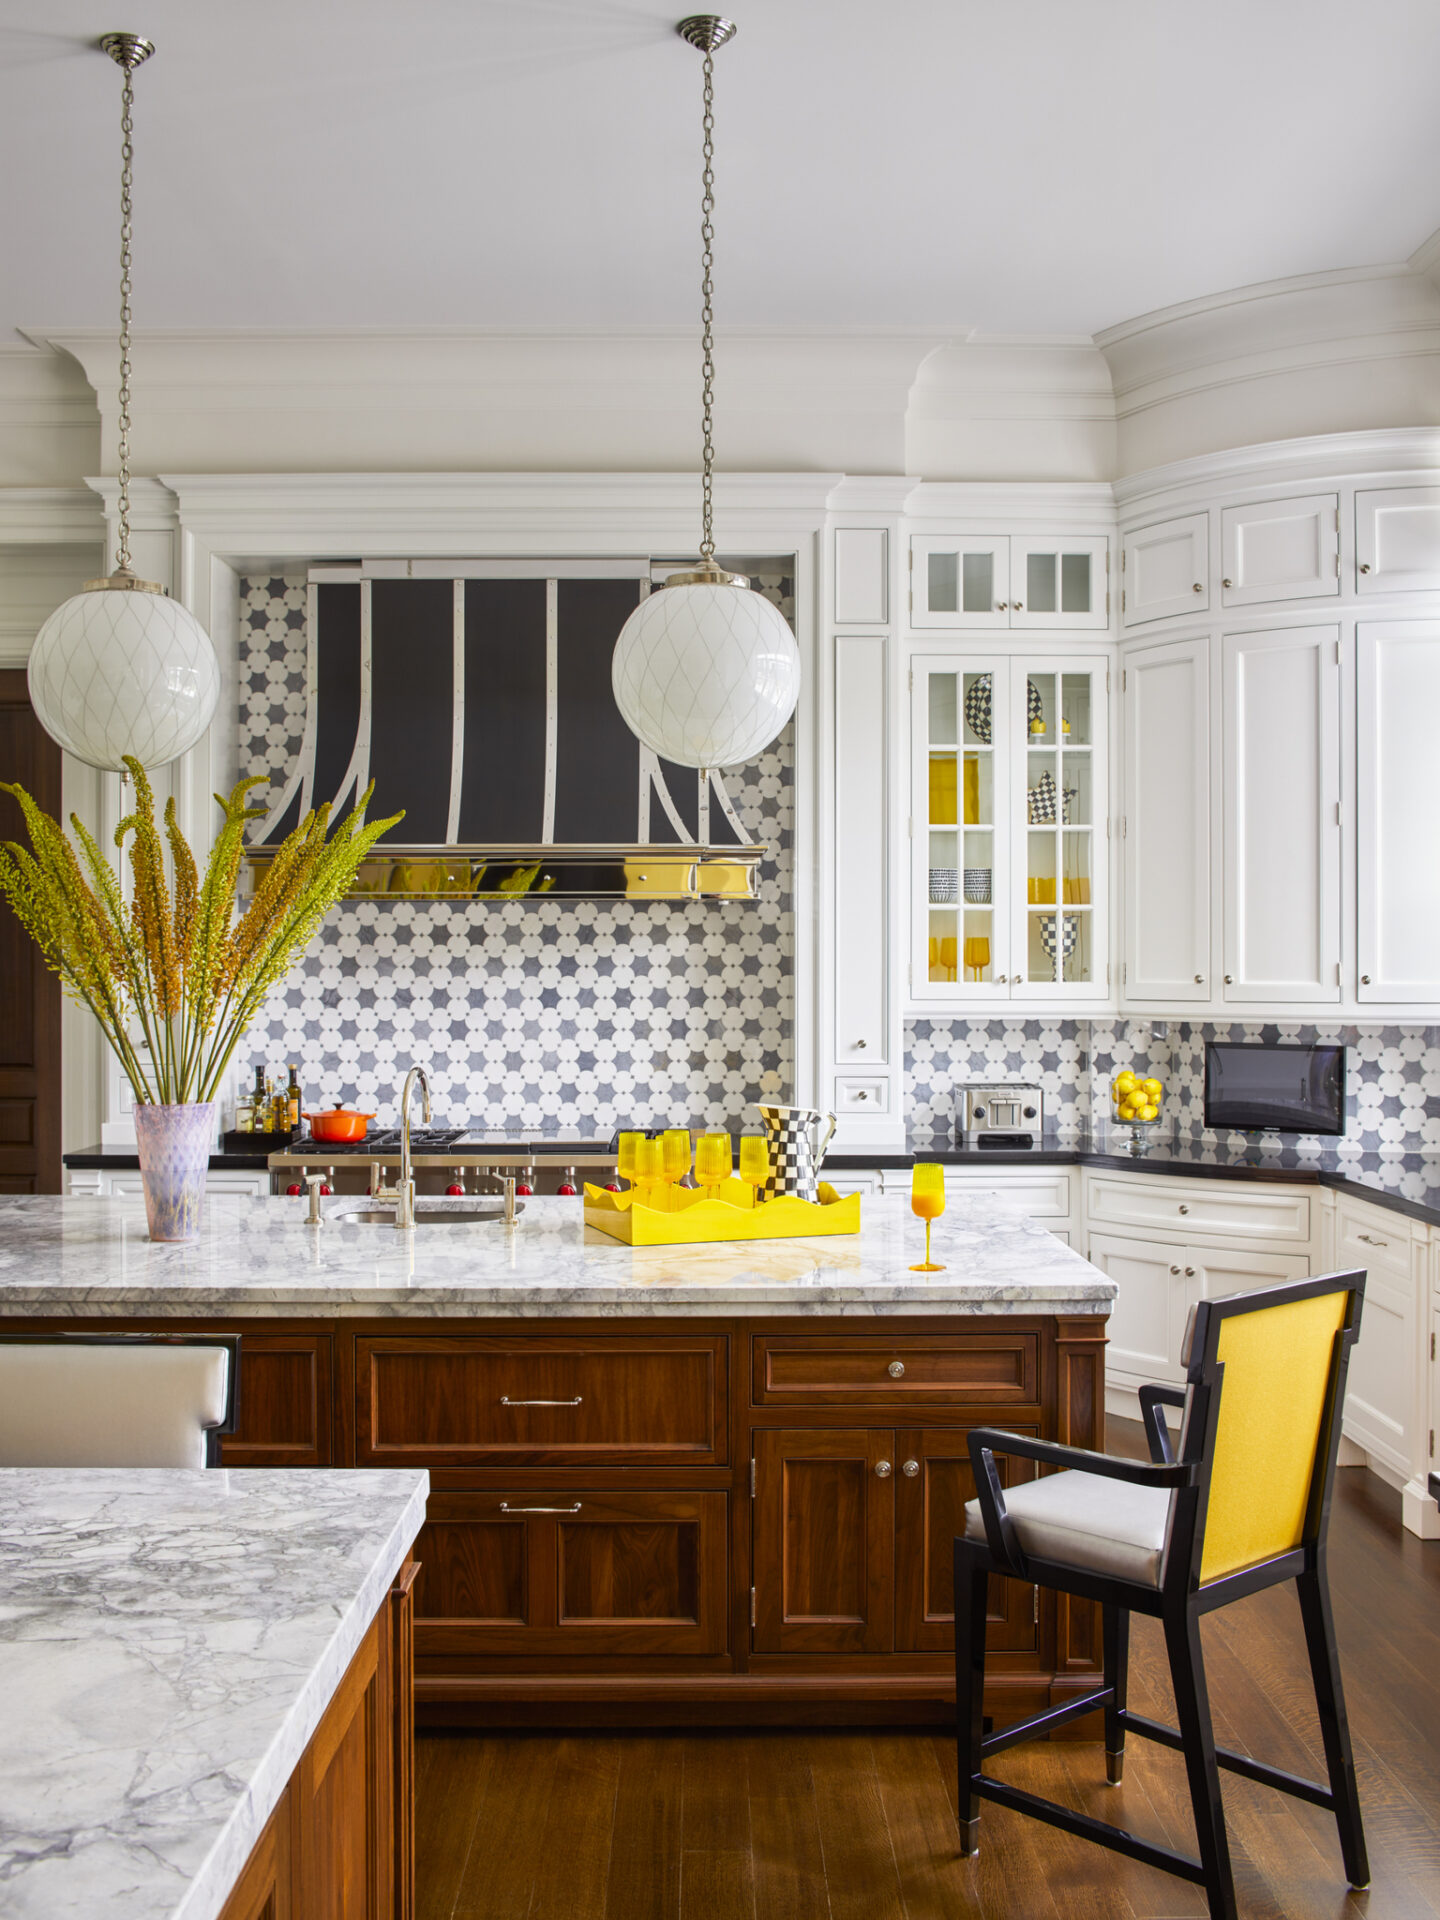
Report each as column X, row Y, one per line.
column 174, row 1145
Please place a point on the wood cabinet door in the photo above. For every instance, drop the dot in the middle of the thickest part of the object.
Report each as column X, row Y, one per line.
column 263, row 1891
column 1397, row 688
column 933, row 1484
column 572, row 1574
column 285, row 1416
column 1166, row 829
column 1282, row 815
column 343, row 1796
column 1165, row 570
column 824, row 1541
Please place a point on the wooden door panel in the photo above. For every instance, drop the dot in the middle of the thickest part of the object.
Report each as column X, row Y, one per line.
column 572, row 1575
column 430, row 1400
column 285, row 1415
column 29, row 992
column 343, row 1789
column 263, row 1891
column 929, row 1513
column 823, row 1542
column 942, row 1369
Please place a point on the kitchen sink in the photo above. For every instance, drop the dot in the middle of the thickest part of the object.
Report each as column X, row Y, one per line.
column 432, row 1213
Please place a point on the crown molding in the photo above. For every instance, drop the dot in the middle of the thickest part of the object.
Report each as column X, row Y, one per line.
column 50, row 516
column 1279, row 463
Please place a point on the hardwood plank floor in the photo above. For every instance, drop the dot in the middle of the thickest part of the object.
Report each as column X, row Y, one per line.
column 860, row 1825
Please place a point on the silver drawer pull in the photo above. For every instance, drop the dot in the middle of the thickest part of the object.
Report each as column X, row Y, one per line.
column 1371, row 1241
column 882, row 1469
column 505, row 1507
column 506, row 1401
column 910, row 1469
column 897, row 1367
column 1184, row 1207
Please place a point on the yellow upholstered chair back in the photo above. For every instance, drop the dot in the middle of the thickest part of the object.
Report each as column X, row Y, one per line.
column 1274, row 1398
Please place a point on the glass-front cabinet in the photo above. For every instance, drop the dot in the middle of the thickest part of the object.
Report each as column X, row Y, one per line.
column 1010, row 580
column 1008, row 829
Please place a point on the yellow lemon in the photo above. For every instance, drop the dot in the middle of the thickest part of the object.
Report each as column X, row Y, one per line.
column 1124, row 1082
column 1150, row 1112
column 1154, row 1088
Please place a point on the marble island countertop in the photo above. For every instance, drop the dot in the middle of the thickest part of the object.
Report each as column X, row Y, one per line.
column 256, row 1258
column 168, row 1644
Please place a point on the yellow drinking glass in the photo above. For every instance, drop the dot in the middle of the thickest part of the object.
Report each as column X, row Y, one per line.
column 625, row 1160
column 675, row 1151
column 949, row 951
column 927, row 1199
column 977, row 954
column 754, row 1163
column 649, row 1169
column 934, row 955
column 712, row 1161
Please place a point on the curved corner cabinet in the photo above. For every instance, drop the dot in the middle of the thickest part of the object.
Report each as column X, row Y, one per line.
column 1279, row 664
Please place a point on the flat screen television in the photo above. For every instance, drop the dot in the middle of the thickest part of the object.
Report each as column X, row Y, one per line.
column 1292, row 1089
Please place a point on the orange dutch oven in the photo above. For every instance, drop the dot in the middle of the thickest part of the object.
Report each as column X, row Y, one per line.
column 337, row 1124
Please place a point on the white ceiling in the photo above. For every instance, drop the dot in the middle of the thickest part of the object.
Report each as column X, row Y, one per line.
column 1032, row 166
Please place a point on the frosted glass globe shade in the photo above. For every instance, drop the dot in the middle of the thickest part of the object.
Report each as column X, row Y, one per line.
column 706, row 675
column 121, row 670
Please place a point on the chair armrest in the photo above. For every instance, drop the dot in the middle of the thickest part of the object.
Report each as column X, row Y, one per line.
column 1157, row 1434
column 986, row 1442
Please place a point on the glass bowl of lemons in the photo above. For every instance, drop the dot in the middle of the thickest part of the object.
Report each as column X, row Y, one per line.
column 1135, row 1102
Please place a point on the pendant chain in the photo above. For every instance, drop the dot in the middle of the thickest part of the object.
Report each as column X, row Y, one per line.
column 127, row 162
column 707, row 316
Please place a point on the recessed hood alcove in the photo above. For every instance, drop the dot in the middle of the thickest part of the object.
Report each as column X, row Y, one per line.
column 477, row 696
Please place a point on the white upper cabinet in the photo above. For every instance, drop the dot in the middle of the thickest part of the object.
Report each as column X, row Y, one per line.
column 1280, row 550
column 1008, row 827
column 1281, row 727
column 1397, row 540
column 862, row 568
column 862, row 900
column 1165, row 843
column 999, row 580
column 1397, row 685
column 1060, row 583
column 960, row 582
column 1165, row 570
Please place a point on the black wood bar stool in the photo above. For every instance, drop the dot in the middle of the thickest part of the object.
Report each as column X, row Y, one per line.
column 1245, row 1505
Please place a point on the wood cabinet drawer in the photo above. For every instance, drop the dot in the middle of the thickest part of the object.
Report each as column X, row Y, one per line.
column 284, row 1409
column 1257, row 1212
column 472, row 1401
column 793, row 1370
column 571, row 1574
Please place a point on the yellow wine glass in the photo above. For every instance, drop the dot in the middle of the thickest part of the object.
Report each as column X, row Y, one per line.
column 754, row 1163
column 675, row 1151
column 712, row 1161
column 625, row 1158
column 649, row 1169
column 949, row 947
column 927, row 1199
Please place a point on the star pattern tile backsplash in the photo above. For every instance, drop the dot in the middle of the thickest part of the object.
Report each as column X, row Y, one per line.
column 576, row 1015
column 589, row 1014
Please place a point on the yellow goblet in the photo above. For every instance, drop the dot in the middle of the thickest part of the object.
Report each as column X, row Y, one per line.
column 712, row 1161
column 977, row 954
column 625, row 1160
column 949, row 948
column 754, row 1163
column 927, row 1198
column 649, row 1170
column 675, row 1149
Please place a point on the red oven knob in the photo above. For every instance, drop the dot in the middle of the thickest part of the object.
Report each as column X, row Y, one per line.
column 294, row 1189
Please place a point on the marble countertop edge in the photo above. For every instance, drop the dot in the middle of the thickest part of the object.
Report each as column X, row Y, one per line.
column 215, row 1879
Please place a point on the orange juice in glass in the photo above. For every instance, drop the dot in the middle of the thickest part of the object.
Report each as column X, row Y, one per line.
column 927, row 1199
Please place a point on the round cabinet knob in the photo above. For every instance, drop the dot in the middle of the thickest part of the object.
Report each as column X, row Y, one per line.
column 1227, row 583
column 859, row 1043
column 1199, row 979
column 1019, row 979
column 882, row 1469
column 1184, row 1206
column 1197, row 588
column 1001, row 978
column 862, row 1094
column 1364, row 566
column 1189, row 1273
column 1018, row 606
column 1364, row 979
column 897, row 1369
column 1000, row 606
column 1229, row 979
column 910, row 1469
column 1174, row 1269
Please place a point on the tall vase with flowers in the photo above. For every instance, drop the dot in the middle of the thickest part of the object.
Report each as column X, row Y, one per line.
column 176, row 973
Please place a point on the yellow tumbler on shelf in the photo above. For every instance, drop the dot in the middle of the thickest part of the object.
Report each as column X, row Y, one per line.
column 972, row 790
column 942, row 790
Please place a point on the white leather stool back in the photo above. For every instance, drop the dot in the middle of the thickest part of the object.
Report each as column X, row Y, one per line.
column 65, row 1404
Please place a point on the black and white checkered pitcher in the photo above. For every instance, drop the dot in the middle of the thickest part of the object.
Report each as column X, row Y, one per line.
column 794, row 1157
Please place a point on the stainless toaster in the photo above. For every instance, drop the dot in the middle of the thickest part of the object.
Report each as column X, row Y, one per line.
column 1010, row 1108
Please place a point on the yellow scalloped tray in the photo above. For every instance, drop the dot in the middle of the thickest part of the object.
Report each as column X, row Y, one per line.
column 692, row 1219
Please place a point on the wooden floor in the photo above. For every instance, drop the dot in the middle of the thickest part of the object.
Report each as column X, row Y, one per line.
column 861, row 1826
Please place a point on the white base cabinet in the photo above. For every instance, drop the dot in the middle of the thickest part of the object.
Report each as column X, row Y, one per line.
column 102, row 1183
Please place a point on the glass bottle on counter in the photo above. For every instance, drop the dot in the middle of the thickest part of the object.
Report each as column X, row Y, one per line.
column 244, row 1114
column 293, row 1102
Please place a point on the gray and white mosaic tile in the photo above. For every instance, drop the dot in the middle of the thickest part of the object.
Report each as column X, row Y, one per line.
column 561, row 1014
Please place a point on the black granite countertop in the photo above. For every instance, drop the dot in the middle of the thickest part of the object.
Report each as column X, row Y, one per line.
column 1407, row 1183
column 126, row 1160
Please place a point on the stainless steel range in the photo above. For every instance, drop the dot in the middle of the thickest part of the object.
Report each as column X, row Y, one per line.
column 1003, row 1113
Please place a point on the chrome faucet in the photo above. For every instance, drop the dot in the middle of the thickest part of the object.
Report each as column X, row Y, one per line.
column 403, row 1192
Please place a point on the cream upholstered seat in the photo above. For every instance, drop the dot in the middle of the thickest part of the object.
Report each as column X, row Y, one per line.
column 104, row 1403
column 1086, row 1521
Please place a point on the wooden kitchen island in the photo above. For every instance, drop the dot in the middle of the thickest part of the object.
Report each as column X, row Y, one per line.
column 668, row 1485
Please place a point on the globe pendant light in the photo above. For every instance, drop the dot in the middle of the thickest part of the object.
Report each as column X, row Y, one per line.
column 706, row 672
column 121, row 668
